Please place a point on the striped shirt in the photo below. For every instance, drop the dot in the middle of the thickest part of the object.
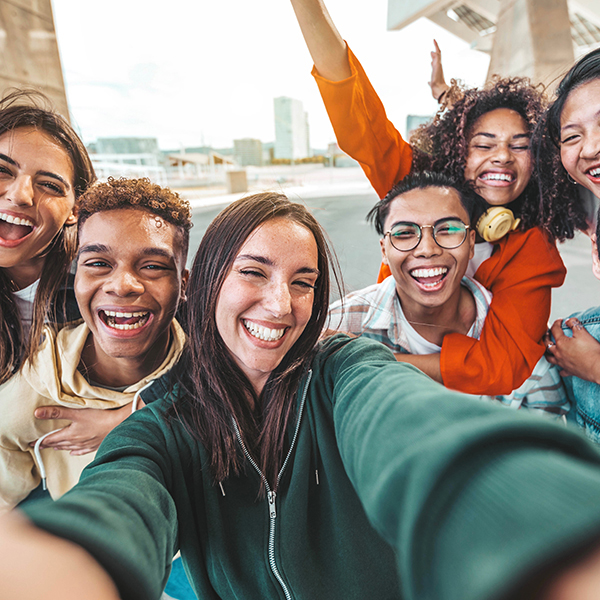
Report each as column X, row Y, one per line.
column 375, row 312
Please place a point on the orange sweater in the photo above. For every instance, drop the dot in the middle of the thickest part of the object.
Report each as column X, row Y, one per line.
column 521, row 272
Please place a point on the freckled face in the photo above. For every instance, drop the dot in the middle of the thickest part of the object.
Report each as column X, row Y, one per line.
column 36, row 198
column 267, row 298
column 580, row 135
column 499, row 158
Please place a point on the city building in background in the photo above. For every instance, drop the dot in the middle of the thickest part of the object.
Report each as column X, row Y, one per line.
column 539, row 39
column 291, row 129
column 128, row 157
column 29, row 50
column 248, row 152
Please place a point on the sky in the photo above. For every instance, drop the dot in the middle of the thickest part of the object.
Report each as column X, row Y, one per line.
column 194, row 72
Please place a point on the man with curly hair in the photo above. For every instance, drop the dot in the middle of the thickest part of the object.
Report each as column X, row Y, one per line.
column 130, row 279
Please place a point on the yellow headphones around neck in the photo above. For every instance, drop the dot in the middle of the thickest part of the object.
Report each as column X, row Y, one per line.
column 496, row 222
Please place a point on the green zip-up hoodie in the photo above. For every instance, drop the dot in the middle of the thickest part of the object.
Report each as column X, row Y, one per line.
column 423, row 493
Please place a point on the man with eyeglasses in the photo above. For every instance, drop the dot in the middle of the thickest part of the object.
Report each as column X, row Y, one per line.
column 427, row 241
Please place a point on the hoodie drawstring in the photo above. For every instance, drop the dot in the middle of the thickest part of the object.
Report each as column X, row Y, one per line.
column 36, row 449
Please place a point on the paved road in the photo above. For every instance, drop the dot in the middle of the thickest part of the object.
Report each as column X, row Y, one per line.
column 357, row 248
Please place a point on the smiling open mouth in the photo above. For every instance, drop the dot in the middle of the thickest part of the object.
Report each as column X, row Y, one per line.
column 14, row 228
column 594, row 172
column 263, row 333
column 429, row 277
column 504, row 177
column 124, row 320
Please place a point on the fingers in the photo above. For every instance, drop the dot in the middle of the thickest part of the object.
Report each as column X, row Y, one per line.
column 53, row 412
column 437, row 48
column 574, row 324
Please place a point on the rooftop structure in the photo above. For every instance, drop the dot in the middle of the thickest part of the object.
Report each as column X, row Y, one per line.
column 536, row 38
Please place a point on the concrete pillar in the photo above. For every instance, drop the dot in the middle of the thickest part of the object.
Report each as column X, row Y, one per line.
column 533, row 39
column 28, row 50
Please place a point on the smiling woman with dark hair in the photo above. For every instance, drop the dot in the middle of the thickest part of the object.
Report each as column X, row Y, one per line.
column 44, row 169
column 287, row 468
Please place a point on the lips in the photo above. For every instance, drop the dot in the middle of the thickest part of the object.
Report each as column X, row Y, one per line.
column 429, row 277
column 13, row 229
column 264, row 333
column 124, row 321
column 594, row 172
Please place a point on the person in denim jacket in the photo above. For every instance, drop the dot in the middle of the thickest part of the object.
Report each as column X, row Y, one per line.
column 572, row 125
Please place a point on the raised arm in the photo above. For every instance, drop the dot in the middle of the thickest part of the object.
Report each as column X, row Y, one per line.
column 325, row 44
column 437, row 82
column 520, row 274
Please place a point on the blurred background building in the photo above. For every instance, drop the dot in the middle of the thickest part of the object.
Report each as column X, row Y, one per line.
column 291, row 129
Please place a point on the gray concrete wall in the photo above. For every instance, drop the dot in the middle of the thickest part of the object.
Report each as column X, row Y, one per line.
column 28, row 50
column 533, row 39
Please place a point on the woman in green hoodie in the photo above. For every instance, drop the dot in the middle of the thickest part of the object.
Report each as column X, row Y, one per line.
column 284, row 467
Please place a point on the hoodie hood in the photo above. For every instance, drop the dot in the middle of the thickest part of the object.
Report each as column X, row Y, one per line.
column 53, row 373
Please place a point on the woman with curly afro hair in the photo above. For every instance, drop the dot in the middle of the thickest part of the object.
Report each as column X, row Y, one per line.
column 484, row 138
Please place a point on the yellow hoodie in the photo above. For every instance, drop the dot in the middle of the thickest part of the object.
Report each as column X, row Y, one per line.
column 53, row 378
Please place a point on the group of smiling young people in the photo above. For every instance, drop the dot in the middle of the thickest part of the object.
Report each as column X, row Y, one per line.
column 283, row 462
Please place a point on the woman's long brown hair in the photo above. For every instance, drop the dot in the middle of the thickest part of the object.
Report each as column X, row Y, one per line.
column 215, row 390
column 30, row 109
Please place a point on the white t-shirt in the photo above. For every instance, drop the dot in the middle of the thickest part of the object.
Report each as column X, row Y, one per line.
column 24, row 300
column 482, row 252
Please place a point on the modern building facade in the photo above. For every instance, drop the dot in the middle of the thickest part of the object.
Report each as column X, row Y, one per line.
column 29, row 50
column 248, row 152
column 291, row 129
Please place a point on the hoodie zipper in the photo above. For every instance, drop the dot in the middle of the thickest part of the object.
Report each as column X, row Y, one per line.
column 272, row 495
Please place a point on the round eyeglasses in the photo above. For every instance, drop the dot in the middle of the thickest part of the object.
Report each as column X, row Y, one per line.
column 448, row 234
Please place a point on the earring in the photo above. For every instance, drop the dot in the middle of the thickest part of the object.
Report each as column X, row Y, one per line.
column 571, row 179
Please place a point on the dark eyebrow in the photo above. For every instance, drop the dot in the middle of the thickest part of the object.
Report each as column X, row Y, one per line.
column 154, row 251
column 55, row 176
column 492, row 136
column 89, row 248
column 571, row 125
column 14, row 163
column 9, row 160
column 103, row 249
column 263, row 260
column 440, row 220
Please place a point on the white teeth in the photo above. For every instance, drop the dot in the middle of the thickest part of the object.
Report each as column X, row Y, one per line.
column 111, row 315
column 124, row 315
column 15, row 220
column 595, row 172
column 497, row 176
column 424, row 273
column 264, row 333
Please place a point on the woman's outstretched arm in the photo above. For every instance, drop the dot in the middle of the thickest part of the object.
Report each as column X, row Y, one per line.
column 325, row 44
column 36, row 564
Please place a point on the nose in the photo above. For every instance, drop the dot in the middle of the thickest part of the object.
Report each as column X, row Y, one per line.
column 278, row 300
column 591, row 144
column 124, row 282
column 20, row 191
column 502, row 154
column 427, row 245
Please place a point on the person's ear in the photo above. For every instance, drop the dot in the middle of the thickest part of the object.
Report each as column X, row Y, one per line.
column 72, row 218
column 184, row 281
column 471, row 241
column 384, row 258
